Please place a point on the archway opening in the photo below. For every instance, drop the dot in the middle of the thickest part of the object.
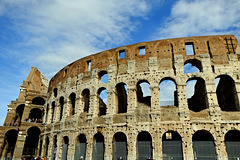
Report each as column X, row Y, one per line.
column 102, row 94
column 103, row 76
column 144, row 93
column 227, row 93
column 31, row 143
column 192, row 66
column 54, row 150
column 144, row 146
column 61, row 107
column 80, row 147
column 53, row 111
column 121, row 89
column 232, row 142
column 203, row 145
column 72, row 99
column 35, row 115
column 98, row 146
column 65, row 147
column 18, row 115
column 9, row 143
column 86, row 99
column 197, row 94
column 38, row 101
column 168, row 93
column 119, row 146
column 172, row 146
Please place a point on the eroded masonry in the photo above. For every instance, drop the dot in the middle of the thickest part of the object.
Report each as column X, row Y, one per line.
column 165, row 99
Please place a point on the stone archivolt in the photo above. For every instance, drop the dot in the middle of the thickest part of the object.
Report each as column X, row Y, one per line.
column 110, row 105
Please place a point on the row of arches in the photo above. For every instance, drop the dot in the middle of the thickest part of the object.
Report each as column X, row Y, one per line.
column 30, row 146
column 202, row 143
column 168, row 95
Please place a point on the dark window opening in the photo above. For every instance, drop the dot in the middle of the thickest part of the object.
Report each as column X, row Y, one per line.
column 121, row 89
column 98, row 146
column 65, row 148
column 47, row 145
column 86, row 99
column 102, row 94
column 31, row 143
column 38, row 101
column 122, row 54
column 41, row 145
column 144, row 146
column 103, row 76
column 61, row 107
column 232, row 142
column 213, row 69
column 72, row 99
column 196, row 94
column 89, row 63
column 192, row 66
column 227, row 93
column 47, row 113
column 80, row 147
column 172, row 146
column 141, row 50
column 119, row 146
column 55, row 91
column 189, row 48
column 168, row 93
column 203, row 146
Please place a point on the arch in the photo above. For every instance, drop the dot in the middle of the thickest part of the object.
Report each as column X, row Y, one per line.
column 172, row 145
column 192, row 65
column 65, row 147
column 232, row 143
column 72, row 99
column 121, row 89
column 54, row 149
column 38, row 101
column 9, row 143
column 19, row 113
column 168, row 92
column 144, row 92
column 103, row 76
column 47, row 113
column 47, row 145
column 86, row 99
column 119, row 146
column 53, row 110
column 203, row 145
column 196, row 94
column 98, row 146
column 144, row 146
column 55, row 92
column 80, row 147
column 31, row 142
column 61, row 101
column 102, row 99
column 35, row 115
column 227, row 93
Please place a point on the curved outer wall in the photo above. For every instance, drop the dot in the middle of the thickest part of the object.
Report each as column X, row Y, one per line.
column 163, row 59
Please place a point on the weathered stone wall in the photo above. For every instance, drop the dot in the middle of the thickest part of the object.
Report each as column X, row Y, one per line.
column 163, row 59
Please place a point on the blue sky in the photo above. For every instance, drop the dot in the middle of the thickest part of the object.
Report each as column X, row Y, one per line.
column 52, row 34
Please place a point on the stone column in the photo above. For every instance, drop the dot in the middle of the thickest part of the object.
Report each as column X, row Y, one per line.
column 131, row 144
column 182, row 101
column 187, row 144
column 108, row 146
column 89, row 147
column 17, row 155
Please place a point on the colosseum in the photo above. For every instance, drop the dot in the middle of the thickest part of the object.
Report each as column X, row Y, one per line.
column 161, row 100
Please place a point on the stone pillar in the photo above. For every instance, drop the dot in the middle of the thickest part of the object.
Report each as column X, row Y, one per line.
column 155, row 101
column 26, row 111
column 89, row 147
column 71, row 148
column 108, row 146
column 1, row 146
column 17, row 155
column 220, row 144
column 187, row 144
column 182, row 101
column 132, row 145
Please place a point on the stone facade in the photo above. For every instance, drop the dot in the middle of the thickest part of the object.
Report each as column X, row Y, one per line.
column 79, row 120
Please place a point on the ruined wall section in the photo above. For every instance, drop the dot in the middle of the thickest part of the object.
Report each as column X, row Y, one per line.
column 163, row 59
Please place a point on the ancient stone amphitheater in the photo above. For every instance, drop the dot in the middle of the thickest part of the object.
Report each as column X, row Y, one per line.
column 165, row 99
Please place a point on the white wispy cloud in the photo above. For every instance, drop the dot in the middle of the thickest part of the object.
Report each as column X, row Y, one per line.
column 58, row 32
column 201, row 17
